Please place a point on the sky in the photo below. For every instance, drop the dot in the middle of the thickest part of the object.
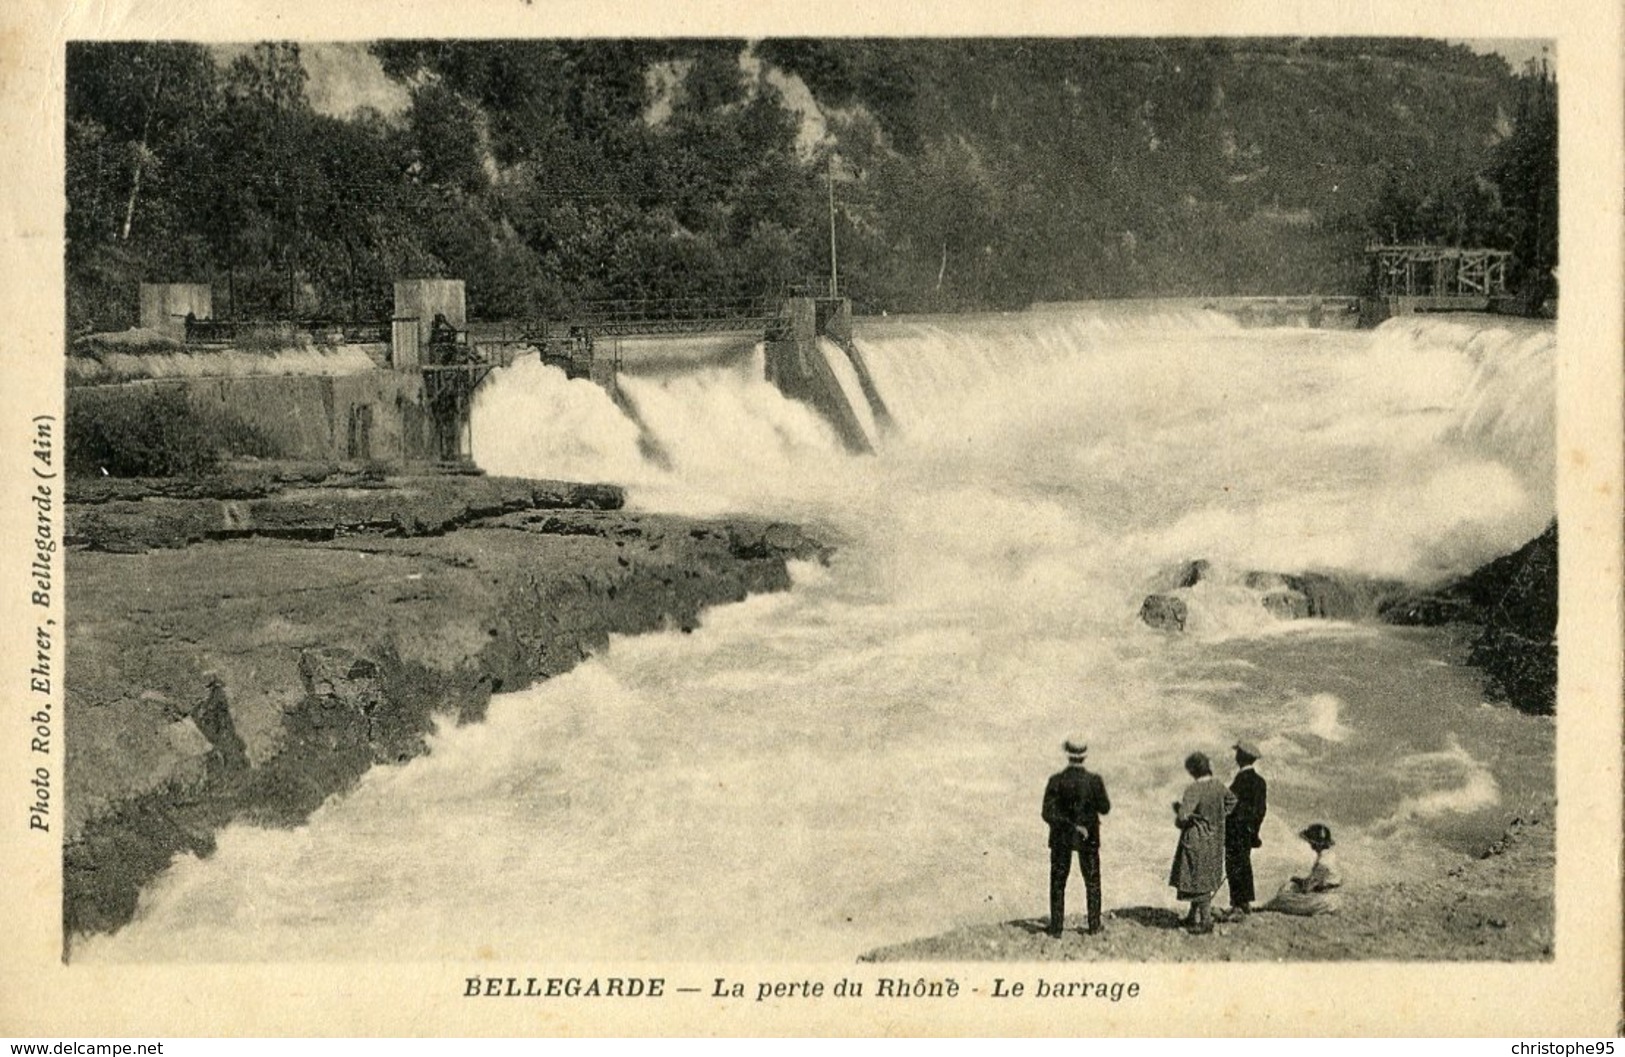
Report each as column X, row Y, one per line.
column 1516, row 52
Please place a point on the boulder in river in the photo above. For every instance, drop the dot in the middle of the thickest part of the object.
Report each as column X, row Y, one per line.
column 1193, row 572
column 1165, row 612
column 1287, row 604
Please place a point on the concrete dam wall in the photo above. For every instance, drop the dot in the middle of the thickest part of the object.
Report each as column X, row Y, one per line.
column 376, row 416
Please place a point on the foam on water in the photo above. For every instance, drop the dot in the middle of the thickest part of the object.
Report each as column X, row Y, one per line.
column 1447, row 781
column 537, row 413
column 860, row 760
column 1324, row 721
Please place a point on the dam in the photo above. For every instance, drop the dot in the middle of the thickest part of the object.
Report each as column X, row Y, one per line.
column 859, row 760
column 398, row 392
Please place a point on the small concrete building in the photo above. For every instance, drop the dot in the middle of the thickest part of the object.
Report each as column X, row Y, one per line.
column 417, row 302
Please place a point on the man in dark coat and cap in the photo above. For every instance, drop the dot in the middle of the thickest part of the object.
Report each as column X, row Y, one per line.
column 1242, row 826
column 1074, row 800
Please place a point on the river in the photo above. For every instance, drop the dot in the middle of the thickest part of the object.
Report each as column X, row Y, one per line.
column 860, row 760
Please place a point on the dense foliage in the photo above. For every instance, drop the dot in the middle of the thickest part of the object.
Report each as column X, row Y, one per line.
column 967, row 173
column 1509, row 202
column 156, row 434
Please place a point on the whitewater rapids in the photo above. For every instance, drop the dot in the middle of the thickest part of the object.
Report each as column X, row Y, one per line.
column 860, row 761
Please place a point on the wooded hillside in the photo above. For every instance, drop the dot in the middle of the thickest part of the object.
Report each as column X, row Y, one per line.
column 967, row 173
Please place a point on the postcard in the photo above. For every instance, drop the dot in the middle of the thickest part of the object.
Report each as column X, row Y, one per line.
column 529, row 520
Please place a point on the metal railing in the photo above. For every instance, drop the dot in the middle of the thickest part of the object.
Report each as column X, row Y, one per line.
column 610, row 317
column 322, row 331
column 674, row 315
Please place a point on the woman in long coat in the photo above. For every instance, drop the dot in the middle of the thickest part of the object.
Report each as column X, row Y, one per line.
column 1198, row 868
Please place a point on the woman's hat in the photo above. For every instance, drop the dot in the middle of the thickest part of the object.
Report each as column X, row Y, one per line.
column 1318, row 833
column 1247, row 748
column 1075, row 746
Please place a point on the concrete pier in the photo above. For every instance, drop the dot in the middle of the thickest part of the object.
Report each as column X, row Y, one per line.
column 797, row 365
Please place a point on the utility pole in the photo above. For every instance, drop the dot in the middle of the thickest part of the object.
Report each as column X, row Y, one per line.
column 834, row 271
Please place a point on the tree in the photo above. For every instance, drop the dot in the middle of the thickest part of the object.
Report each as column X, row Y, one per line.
column 970, row 174
column 1526, row 174
column 136, row 117
column 142, row 101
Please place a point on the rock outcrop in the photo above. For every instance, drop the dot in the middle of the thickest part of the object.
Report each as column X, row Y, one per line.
column 1512, row 600
column 133, row 516
column 249, row 665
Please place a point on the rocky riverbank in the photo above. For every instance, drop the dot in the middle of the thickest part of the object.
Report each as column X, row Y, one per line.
column 1513, row 602
column 1494, row 907
column 243, row 647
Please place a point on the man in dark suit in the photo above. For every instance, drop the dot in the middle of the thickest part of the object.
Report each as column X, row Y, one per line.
column 1074, row 800
column 1241, row 828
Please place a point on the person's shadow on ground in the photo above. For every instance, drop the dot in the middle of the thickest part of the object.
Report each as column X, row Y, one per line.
column 1145, row 917
column 1031, row 926
column 1151, row 917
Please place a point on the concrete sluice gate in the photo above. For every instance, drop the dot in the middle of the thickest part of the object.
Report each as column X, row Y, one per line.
column 670, row 354
column 805, row 362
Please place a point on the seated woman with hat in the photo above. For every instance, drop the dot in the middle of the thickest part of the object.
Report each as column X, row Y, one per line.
column 1316, row 893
